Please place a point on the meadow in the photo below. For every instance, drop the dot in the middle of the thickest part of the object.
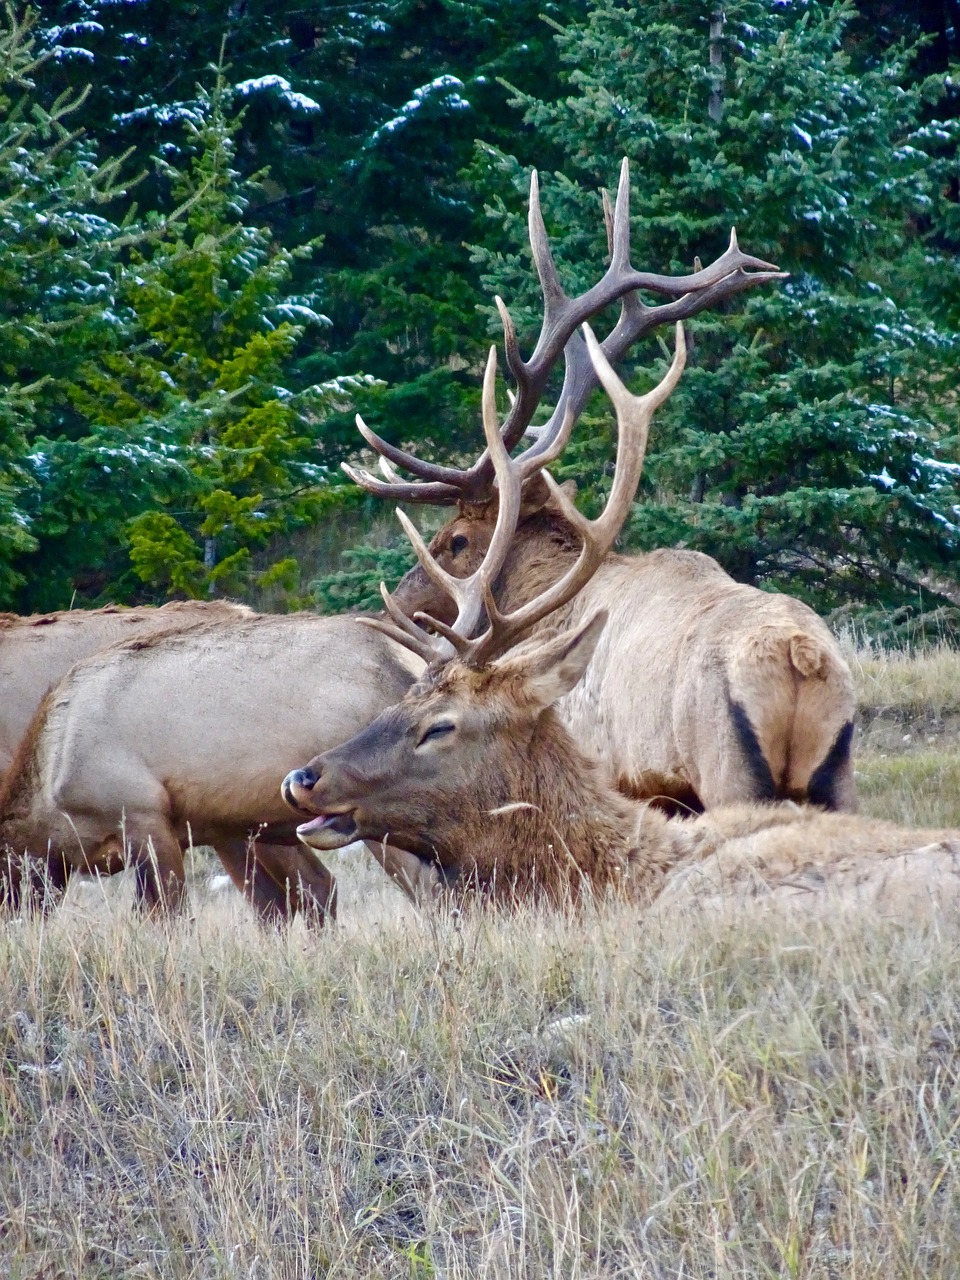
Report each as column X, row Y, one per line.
column 472, row 1094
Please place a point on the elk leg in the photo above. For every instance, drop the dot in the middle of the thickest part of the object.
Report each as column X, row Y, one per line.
column 25, row 881
column 418, row 880
column 280, row 880
column 269, row 899
column 158, row 862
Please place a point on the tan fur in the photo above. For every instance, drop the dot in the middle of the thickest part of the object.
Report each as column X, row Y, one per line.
column 505, row 799
column 189, row 733
column 684, row 641
column 38, row 649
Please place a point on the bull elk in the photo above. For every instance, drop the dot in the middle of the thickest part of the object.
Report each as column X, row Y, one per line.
column 475, row 770
column 187, row 734
column 701, row 691
column 36, row 651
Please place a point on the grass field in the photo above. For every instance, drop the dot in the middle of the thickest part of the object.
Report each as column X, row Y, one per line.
column 489, row 1096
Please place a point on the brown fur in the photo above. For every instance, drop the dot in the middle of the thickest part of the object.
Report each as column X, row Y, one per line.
column 37, row 650
column 504, row 799
column 685, row 642
column 189, row 733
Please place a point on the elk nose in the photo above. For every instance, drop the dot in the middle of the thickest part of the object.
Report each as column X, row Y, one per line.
column 304, row 778
column 297, row 785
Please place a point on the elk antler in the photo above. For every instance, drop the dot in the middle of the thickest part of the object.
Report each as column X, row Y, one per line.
column 473, row 594
column 732, row 272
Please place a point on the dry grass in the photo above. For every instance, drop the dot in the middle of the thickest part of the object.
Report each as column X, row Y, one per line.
column 908, row 755
column 580, row 1097
column 927, row 683
column 535, row 1096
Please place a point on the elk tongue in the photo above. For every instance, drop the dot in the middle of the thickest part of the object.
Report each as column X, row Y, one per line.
column 341, row 824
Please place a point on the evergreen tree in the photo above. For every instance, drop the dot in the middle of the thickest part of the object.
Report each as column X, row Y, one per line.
column 57, row 254
column 202, row 391
column 195, row 452
column 364, row 114
column 809, row 444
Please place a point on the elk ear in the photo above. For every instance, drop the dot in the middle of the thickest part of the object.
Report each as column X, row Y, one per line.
column 537, row 496
column 556, row 667
column 534, row 496
column 568, row 489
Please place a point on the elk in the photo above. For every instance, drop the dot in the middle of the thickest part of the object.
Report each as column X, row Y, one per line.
column 36, row 651
column 187, row 734
column 701, row 691
column 475, row 770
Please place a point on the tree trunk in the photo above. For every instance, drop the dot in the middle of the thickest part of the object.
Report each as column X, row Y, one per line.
column 716, row 65
column 209, row 560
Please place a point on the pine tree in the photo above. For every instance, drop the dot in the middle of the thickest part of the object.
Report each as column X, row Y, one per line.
column 216, row 328
column 364, row 114
column 807, row 446
column 57, row 255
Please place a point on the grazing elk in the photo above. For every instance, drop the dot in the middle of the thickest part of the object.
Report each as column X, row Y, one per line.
column 36, row 651
column 186, row 735
column 475, row 771
column 702, row 691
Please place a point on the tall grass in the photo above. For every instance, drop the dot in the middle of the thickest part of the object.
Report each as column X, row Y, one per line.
column 479, row 1095
column 908, row 753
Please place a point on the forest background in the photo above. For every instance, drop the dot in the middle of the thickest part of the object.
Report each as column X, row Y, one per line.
column 227, row 227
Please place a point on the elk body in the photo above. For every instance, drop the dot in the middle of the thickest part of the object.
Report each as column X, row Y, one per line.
column 475, row 771
column 36, row 651
column 702, row 691
column 187, row 735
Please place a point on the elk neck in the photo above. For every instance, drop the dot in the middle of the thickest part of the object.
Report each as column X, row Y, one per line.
column 554, row 825
column 544, row 548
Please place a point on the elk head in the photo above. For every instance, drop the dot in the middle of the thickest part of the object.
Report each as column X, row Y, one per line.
column 461, row 545
column 473, row 768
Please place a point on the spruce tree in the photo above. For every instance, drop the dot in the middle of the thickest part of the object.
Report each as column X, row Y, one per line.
column 809, row 446
column 57, row 257
column 202, row 451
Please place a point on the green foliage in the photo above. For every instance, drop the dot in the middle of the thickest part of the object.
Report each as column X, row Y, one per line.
column 56, row 277
column 218, row 454
column 358, row 585
column 810, row 444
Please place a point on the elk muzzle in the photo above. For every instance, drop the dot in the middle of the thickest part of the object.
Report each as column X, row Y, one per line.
column 328, row 828
column 297, row 789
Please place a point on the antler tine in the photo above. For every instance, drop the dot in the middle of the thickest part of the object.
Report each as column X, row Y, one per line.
column 431, row 472
column 424, row 644
column 607, row 219
column 634, row 415
column 411, row 490
column 688, row 294
column 620, row 239
column 467, row 593
column 540, row 248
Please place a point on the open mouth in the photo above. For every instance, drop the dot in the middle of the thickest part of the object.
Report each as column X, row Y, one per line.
column 329, row 830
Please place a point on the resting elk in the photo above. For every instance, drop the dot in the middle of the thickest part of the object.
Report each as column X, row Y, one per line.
column 187, row 734
column 35, row 651
column 701, row 691
column 475, row 770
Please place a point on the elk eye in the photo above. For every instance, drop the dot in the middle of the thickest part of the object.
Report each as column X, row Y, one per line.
column 458, row 544
column 436, row 731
